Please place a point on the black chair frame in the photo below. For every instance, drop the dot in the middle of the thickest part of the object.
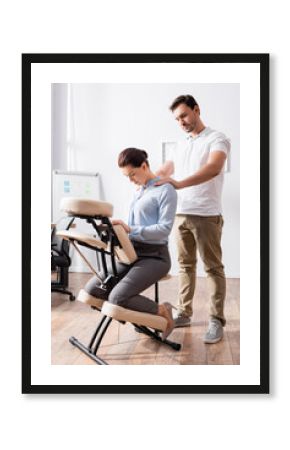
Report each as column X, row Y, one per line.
column 106, row 234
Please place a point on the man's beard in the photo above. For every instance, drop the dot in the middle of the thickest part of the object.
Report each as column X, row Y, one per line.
column 189, row 128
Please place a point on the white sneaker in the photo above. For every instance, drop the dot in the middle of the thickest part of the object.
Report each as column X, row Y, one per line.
column 214, row 332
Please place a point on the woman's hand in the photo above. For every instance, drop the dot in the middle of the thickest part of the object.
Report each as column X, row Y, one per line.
column 124, row 225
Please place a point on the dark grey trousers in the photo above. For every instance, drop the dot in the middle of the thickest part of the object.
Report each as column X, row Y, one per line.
column 153, row 263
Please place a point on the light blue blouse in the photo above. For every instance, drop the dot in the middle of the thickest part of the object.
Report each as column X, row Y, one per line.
column 152, row 213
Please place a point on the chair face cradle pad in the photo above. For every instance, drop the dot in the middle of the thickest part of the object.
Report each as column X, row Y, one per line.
column 86, row 207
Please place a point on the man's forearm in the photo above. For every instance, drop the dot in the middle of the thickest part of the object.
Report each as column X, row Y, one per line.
column 206, row 173
column 210, row 170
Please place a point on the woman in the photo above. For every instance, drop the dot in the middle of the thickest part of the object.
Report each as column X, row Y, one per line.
column 150, row 222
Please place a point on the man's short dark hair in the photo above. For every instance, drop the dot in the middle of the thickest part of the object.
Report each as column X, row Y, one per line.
column 188, row 100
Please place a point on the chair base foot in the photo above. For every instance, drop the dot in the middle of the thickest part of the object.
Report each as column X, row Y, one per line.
column 155, row 335
column 87, row 351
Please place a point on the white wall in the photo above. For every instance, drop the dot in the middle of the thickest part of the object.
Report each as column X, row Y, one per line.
column 106, row 118
column 59, row 126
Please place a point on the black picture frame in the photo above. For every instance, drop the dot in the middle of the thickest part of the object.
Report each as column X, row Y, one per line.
column 263, row 61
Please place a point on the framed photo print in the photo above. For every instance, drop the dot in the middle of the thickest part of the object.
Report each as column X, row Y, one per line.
column 145, row 223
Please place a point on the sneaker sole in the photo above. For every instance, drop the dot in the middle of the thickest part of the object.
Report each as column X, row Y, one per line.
column 212, row 341
column 183, row 325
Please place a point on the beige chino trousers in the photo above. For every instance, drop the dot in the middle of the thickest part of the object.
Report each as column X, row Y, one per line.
column 202, row 234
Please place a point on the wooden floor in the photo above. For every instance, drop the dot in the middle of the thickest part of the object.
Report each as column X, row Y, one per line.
column 123, row 345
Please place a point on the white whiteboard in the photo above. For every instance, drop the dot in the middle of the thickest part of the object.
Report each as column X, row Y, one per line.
column 81, row 185
column 73, row 184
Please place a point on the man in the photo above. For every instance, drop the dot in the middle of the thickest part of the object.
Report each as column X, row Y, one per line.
column 197, row 165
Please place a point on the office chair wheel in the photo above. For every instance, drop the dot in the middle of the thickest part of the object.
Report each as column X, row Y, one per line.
column 72, row 298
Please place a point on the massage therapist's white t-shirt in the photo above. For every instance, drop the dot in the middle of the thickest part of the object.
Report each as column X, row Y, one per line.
column 188, row 157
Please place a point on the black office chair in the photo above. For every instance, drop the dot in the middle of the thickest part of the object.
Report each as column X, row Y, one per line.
column 60, row 259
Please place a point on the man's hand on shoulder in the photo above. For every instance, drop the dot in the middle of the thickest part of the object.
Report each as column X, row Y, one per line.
column 174, row 183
